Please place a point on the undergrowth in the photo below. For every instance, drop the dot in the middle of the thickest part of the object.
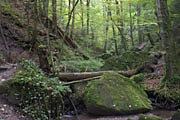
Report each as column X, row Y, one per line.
column 40, row 96
column 82, row 65
column 1, row 57
column 170, row 94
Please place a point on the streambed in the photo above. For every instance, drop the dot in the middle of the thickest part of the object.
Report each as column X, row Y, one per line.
column 165, row 114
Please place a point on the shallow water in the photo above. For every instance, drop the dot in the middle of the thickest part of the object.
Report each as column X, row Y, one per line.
column 166, row 115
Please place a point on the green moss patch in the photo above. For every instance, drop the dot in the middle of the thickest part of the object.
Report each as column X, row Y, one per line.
column 138, row 78
column 176, row 115
column 144, row 117
column 115, row 94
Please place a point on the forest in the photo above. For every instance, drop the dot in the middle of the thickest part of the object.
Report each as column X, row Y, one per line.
column 90, row 59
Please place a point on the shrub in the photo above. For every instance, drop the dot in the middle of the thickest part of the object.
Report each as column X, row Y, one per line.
column 40, row 96
column 83, row 65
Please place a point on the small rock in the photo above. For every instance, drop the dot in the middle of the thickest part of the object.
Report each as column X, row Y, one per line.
column 144, row 117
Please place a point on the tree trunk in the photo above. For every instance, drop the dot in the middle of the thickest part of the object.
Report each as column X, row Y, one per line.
column 120, row 27
column 140, row 32
column 131, row 24
column 61, row 21
column 54, row 18
column 165, row 27
column 87, row 5
column 85, row 75
column 73, row 21
column 82, row 17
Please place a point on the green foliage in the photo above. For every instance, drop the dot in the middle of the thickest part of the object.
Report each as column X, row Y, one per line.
column 138, row 78
column 176, row 115
column 82, row 65
column 128, row 60
column 9, row 13
column 40, row 96
column 169, row 94
column 129, row 119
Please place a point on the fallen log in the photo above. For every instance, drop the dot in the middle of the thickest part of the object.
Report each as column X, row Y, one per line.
column 66, row 39
column 79, row 76
column 85, row 75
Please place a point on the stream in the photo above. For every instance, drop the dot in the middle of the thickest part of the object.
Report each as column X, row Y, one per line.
column 166, row 115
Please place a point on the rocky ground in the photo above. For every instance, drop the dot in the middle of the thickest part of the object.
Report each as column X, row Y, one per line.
column 9, row 111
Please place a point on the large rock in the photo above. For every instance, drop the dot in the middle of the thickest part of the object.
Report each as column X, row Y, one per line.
column 115, row 94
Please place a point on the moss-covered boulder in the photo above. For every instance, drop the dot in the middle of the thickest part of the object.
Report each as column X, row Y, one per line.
column 115, row 94
column 129, row 60
column 145, row 117
column 176, row 115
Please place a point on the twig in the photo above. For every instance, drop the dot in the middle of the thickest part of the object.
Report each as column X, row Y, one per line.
column 74, row 108
column 83, row 80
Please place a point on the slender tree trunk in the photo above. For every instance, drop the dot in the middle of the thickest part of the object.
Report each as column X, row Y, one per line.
column 140, row 32
column 82, row 18
column 88, row 15
column 61, row 21
column 131, row 24
column 73, row 21
column 54, row 19
column 123, row 39
column 35, row 20
column 115, row 41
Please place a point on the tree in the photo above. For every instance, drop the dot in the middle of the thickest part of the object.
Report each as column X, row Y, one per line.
column 131, row 24
column 73, row 21
column 120, row 25
column 54, row 19
column 165, row 27
column 88, row 5
column 140, row 32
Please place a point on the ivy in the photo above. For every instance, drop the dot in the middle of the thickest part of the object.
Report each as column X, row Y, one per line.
column 40, row 96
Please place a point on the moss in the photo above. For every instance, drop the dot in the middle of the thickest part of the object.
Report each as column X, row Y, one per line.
column 176, row 115
column 116, row 94
column 128, row 60
column 129, row 119
column 138, row 78
column 7, row 11
column 144, row 117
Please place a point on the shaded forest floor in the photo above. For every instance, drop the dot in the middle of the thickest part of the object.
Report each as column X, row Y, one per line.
column 8, row 111
column 10, row 32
